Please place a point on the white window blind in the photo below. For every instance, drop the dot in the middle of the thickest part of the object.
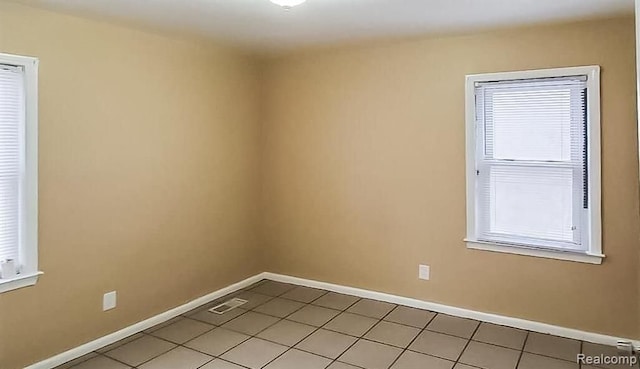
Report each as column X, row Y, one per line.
column 12, row 122
column 531, row 162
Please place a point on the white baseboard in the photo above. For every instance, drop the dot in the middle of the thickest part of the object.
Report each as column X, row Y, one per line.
column 459, row 312
column 406, row 301
column 141, row 326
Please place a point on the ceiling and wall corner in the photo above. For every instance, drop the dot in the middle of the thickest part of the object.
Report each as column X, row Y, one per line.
column 263, row 27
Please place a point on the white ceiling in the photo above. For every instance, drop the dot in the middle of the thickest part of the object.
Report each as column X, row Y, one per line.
column 259, row 25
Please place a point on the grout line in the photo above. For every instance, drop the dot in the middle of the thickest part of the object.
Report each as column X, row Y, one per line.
column 526, row 337
column 354, row 342
column 581, row 351
column 467, row 345
column 414, row 338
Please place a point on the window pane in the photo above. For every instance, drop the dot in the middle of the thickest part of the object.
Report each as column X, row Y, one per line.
column 529, row 202
column 11, row 132
column 531, row 123
column 9, row 226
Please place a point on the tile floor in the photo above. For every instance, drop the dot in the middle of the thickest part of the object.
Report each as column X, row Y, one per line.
column 289, row 327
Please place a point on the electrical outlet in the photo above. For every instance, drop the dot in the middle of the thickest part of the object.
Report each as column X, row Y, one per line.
column 109, row 300
column 424, row 272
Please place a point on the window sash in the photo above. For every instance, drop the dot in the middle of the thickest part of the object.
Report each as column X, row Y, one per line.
column 571, row 159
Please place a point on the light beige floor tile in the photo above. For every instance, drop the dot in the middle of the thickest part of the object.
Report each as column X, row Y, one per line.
column 217, row 341
column 547, row 345
column 179, row 357
column 336, row 301
column 101, row 362
column 253, row 299
column 137, row 352
column 303, row 294
column 254, row 353
column 438, row 344
column 216, row 319
column 409, row 316
column 595, row 350
column 295, row 359
column 352, row 324
column 326, row 343
column 77, row 361
column 221, row 364
column 532, row 361
column 183, row 330
column 251, row 323
column 120, row 343
column 452, row 325
column 371, row 355
column 286, row 332
column 464, row 366
column 414, row 360
column 500, row 335
column 371, row 308
column 488, row 356
column 392, row 334
column 313, row 315
column 339, row 365
column 279, row 307
column 272, row 288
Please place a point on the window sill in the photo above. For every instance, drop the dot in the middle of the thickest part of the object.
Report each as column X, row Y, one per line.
column 20, row 281
column 577, row 256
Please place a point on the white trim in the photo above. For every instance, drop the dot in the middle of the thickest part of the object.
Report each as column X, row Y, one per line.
column 20, row 281
column 594, row 231
column 28, row 260
column 380, row 296
column 582, row 257
column 455, row 311
column 141, row 326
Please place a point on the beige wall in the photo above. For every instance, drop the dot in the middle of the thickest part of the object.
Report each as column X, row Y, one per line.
column 148, row 178
column 152, row 150
column 365, row 177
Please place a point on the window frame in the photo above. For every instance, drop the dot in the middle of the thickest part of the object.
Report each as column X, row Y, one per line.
column 28, row 249
column 594, row 233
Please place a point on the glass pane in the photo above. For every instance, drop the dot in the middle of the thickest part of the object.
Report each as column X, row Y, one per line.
column 530, row 202
column 529, row 124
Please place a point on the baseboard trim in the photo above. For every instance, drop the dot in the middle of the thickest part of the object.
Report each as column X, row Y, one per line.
column 455, row 311
column 101, row 342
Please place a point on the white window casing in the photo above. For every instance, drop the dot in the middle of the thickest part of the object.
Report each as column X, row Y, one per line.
column 533, row 163
column 19, row 169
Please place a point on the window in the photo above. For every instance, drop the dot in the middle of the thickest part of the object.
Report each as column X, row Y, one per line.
column 18, row 171
column 533, row 163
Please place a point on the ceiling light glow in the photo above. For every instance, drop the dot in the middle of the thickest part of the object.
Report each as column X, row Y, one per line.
column 288, row 4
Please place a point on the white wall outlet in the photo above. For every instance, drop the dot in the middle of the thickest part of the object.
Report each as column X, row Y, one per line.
column 109, row 300
column 424, row 272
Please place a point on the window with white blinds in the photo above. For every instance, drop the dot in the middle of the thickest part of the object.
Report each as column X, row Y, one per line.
column 533, row 162
column 18, row 172
column 12, row 121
